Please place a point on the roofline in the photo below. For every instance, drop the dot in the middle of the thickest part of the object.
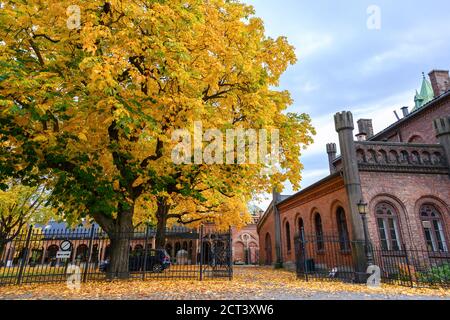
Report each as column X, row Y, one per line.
column 314, row 185
column 438, row 70
column 264, row 215
column 411, row 115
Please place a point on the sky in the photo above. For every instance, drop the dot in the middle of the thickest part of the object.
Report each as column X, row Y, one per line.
column 355, row 57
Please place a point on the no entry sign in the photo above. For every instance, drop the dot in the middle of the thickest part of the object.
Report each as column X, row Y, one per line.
column 66, row 245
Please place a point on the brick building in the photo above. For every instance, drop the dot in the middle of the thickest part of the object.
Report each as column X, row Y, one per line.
column 402, row 173
column 246, row 241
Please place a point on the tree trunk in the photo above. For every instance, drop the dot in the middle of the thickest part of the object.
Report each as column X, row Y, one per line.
column 161, row 216
column 119, row 258
column 3, row 260
column 120, row 233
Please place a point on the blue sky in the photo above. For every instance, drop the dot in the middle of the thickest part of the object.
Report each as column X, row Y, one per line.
column 343, row 65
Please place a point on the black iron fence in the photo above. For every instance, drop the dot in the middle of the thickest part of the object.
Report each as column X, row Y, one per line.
column 44, row 256
column 324, row 257
column 413, row 266
column 330, row 258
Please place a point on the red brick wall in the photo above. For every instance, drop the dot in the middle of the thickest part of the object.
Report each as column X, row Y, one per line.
column 420, row 125
column 324, row 199
column 243, row 237
column 407, row 192
column 330, row 196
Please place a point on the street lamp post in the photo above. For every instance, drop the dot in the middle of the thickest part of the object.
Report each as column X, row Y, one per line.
column 362, row 208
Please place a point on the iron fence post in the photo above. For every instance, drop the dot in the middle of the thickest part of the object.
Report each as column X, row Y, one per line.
column 88, row 260
column 201, row 253
column 304, row 253
column 24, row 260
column 367, row 244
column 144, row 268
column 230, row 255
column 408, row 267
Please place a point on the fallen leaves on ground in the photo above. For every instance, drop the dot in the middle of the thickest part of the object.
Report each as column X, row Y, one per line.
column 248, row 283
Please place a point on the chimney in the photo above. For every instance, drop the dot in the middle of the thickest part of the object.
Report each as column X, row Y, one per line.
column 331, row 150
column 361, row 136
column 405, row 111
column 365, row 128
column 439, row 81
column 396, row 115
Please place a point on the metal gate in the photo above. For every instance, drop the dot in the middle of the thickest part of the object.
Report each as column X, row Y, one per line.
column 216, row 256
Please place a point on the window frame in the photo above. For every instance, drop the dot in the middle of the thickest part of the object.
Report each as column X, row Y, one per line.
column 390, row 226
column 344, row 236
column 287, row 231
column 318, row 228
column 437, row 227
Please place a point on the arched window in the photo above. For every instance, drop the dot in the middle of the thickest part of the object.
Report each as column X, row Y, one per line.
column 51, row 252
column 433, row 229
column 301, row 228
column 388, row 229
column 344, row 239
column 268, row 249
column 319, row 232
column 416, row 139
column 288, row 237
column 82, row 252
column 177, row 248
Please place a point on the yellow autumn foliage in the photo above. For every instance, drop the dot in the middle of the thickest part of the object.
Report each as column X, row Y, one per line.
column 93, row 99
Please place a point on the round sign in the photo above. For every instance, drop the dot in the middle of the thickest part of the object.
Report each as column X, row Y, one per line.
column 66, row 245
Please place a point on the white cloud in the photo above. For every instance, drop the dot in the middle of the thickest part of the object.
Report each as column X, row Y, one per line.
column 308, row 87
column 413, row 44
column 380, row 111
column 380, row 62
column 308, row 43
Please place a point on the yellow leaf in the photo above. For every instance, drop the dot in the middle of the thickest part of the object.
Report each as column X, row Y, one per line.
column 40, row 138
column 82, row 136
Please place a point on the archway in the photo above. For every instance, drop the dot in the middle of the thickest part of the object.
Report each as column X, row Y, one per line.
column 51, row 253
column 268, row 249
column 239, row 253
column 82, row 253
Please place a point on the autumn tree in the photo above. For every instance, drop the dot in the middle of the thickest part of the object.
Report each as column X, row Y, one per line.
column 92, row 94
column 21, row 206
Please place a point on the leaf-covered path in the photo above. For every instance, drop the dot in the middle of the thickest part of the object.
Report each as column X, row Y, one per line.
column 248, row 283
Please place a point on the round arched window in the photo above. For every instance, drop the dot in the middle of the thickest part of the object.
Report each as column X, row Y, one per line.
column 433, row 228
column 288, row 237
column 387, row 223
column 319, row 232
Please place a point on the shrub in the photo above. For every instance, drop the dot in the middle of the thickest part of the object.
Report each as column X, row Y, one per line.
column 437, row 274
